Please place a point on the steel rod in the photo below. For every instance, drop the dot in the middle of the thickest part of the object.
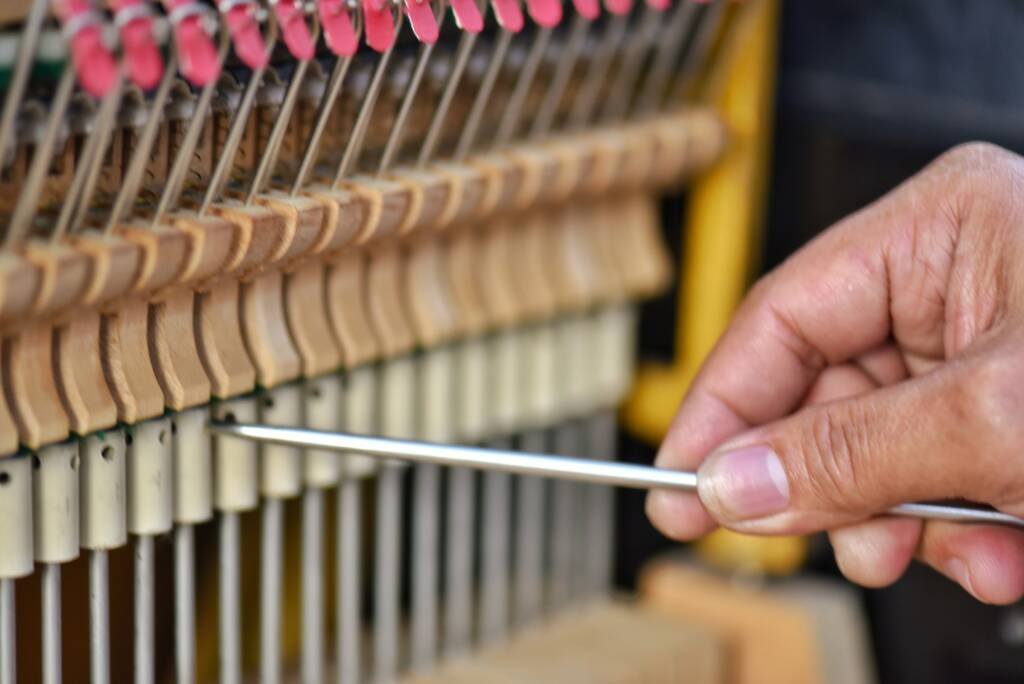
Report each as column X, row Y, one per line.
column 51, row 624
column 548, row 465
column 99, row 620
column 23, row 61
column 458, row 616
column 494, row 547
column 483, row 96
column 271, row 571
column 530, row 516
column 8, row 641
column 312, row 586
column 599, row 518
column 230, row 601
column 387, row 573
column 349, row 524
column 426, row 507
column 144, row 627
column 512, row 116
column 184, row 604
column 563, row 522
column 430, row 140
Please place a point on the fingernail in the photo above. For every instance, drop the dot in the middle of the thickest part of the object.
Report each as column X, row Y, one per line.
column 958, row 570
column 744, row 483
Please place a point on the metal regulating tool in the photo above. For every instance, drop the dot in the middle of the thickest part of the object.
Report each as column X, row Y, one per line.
column 549, row 465
column 356, row 215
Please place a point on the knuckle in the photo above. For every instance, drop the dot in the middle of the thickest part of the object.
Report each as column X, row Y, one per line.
column 977, row 166
column 832, row 451
column 989, row 400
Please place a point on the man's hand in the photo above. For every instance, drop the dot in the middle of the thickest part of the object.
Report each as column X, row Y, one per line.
column 882, row 363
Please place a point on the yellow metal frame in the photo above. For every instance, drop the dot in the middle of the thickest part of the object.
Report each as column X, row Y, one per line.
column 723, row 224
column 722, row 236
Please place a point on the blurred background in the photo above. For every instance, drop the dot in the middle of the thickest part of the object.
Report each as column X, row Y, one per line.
column 865, row 95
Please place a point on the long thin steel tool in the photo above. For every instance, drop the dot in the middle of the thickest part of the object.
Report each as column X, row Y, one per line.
column 549, row 465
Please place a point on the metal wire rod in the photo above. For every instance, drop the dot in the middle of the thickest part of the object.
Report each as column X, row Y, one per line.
column 563, row 523
column 51, row 624
column 458, row 615
column 144, row 622
column 184, row 604
column 530, row 517
column 99, row 620
column 548, row 465
column 8, row 642
column 312, row 586
column 495, row 548
column 27, row 42
column 483, row 96
column 387, row 573
column 347, row 566
column 230, row 600
column 271, row 574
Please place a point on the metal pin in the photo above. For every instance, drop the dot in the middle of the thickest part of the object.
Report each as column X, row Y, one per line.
column 87, row 171
column 323, row 116
column 462, row 53
column 238, row 123
column 271, row 573
column 512, row 115
column 710, row 22
column 99, row 621
column 230, row 605
column 394, row 140
column 670, row 45
column 27, row 41
column 144, row 617
column 495, row 550
column 597, row 71
column 8, row 633
column 387, row 576
column 184, row 603
column 176, row 176
column 143, row 146
column 312, row 585
column 531, row 513
column 599, row 506
column 563, row 522
column 348, row 580
column 270, row 155
column 21, row 220
column 358, row 136
column 548, row 107
column 476, row 113
column 547, row 465
column 623, row 87
column 51, row 624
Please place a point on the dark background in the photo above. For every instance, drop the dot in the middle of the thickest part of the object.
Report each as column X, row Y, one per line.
column 868, row 93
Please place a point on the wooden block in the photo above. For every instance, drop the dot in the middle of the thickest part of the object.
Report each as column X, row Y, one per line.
column 80, row 378
column 219, row 340
column 31, row 388
column 265, row 330
column 768, row 640
column 607, row 643
column 428, row 295
column 176, row 359
column 8, row 428
column 384, row 292
column 347, row 309
column 306, row 309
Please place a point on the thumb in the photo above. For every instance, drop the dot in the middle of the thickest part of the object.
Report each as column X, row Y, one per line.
column 943, row 435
